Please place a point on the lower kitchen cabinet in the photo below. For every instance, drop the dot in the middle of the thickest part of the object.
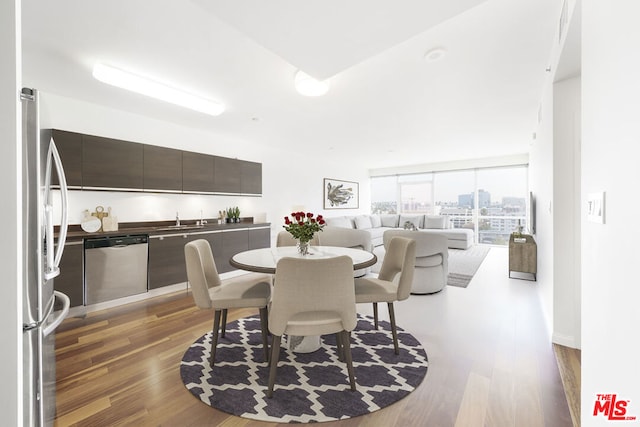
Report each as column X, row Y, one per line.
column 166, row 253
column 232, row 242
column 166, row 259
column 70, row 281
column 259, row 237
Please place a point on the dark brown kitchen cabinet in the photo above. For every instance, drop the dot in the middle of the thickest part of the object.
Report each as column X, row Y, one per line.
column 197, row 172
column 69, row 146
column 227, row 175
column 259, row 237
column 166, row 260
column 166, row 253
column 162, row 169
column 233, row 242
column 251, row 178
column 70, row 281
column 111, row 163
column 94, row 162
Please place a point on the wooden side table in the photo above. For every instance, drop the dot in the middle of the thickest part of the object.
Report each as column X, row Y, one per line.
column 523, row 255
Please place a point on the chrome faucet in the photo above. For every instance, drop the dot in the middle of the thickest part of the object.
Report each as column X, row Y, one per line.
column 177, row 220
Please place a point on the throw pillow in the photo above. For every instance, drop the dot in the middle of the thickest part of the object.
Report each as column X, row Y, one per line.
column 408, row 225
column 415, row 219
column 437, row 221
column 339, row 221
column 389, row 220
column 376, row 221
column 363, row 222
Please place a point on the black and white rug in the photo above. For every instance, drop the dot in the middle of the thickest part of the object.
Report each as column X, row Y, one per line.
column 311, row 387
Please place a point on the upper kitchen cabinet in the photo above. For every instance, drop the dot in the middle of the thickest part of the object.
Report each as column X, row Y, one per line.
column 162, row 169
column 251, row 178
column 197, row 172
column 69, row 146
column 99, row 163
column 227, row 174
column 111, row 164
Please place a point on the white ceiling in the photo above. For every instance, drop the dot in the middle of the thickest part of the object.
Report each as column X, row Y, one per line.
column 387, row 106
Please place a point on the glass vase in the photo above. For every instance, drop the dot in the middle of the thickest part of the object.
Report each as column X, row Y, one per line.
column 303, row 247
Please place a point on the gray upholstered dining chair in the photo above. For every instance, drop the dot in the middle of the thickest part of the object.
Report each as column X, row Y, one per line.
column 247, row 291
column 347, row 238
column 393, row 282
column 285, row 238
column 313, row 297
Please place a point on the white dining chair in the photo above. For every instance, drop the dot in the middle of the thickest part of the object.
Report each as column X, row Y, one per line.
column 313, row 297
column 247, row 291
column 393, row 282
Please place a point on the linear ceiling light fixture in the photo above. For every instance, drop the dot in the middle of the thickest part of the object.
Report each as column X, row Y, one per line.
column 308, row 86
column 145, row 86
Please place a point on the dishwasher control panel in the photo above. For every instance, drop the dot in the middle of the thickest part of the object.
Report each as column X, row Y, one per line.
column 103, row 242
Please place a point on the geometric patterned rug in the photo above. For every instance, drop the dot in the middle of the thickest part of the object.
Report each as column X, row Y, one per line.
column 310, row 387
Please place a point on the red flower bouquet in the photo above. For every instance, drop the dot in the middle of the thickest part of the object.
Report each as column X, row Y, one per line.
column 303, row 226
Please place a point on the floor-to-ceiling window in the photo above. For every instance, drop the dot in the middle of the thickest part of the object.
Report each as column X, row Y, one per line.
column 454, row 197
column 384, row 195
column 502, row 194
column 491, row 201
column 416, row 193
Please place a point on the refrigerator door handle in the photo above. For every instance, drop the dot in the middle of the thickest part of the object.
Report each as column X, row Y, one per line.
column 66, row 304
column 53, row 261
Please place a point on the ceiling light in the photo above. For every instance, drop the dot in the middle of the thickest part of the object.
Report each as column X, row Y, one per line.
column 308, row 86
column 435, row 54
column 144, row 86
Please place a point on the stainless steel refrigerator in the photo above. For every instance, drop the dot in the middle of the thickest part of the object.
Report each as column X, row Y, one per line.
column 40, row 259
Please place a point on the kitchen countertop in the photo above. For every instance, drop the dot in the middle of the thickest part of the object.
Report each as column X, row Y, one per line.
column 75, row 233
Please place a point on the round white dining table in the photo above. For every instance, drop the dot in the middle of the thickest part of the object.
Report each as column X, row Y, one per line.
column 265, row 260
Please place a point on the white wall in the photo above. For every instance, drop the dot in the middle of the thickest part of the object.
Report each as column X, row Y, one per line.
column 292, row 179
column 566, row 220
column 554, row 179
column 10, row 215
column 610, row 140
column 541, row 184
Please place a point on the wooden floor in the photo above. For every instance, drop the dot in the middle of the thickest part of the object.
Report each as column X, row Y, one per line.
column 569, row 363
column 490, row 361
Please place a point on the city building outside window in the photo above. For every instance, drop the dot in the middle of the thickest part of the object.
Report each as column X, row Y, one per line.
column 490, row 201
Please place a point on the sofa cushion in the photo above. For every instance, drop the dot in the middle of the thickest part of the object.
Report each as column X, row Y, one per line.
column 363, row 222
column 458, row 234
column 389, row 220
column 339, row 221
column 416, row 220
column 376, row 221
column 435, row 221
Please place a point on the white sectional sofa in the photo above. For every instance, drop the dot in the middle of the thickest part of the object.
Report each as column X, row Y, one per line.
column 376, row 225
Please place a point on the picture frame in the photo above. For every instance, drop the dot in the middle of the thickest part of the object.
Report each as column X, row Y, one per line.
column 339, row 194
column 595, row 207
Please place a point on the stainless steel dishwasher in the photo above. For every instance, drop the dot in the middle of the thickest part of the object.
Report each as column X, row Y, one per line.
column 115, row 267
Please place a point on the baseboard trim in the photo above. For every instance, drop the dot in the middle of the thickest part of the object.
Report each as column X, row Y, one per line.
column 565, row 340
